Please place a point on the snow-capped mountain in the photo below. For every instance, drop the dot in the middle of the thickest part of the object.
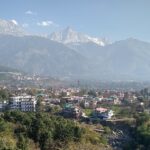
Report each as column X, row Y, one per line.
column 68, row 36
column 11, row 27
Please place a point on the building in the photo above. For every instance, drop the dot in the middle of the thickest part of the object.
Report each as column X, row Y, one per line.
column 86, row 104
column 25, row 103
column 112, row 100
column 3, row 105
column 103, row 113
column 71, row 111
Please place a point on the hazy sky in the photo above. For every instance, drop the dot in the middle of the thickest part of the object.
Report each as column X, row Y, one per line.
column 114, row 19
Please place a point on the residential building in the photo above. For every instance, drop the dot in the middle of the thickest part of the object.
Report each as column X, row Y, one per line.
column 71, row 111
column 23, row 103
column 103, row 113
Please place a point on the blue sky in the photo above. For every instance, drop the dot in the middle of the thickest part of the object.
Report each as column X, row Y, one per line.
column 114, row 19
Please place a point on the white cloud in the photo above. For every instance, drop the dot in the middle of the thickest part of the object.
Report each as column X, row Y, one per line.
column 14, row 22
column 47, row 23
column 29, row 12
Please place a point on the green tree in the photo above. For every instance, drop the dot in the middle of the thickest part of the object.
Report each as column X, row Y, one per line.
column 92, row 93
column 4, row 94
column 39, row 105
column 62, row 94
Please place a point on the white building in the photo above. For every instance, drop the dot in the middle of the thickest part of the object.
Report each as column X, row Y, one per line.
column 103, row 113
column 24, row 103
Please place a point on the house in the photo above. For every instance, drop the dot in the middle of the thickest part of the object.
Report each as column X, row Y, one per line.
column 112, row 100
column 86, row 104
column 116, row 100
column 129, row 97
column 103, row 113
column 93, row 104
column 89, row 103
column 71, row 111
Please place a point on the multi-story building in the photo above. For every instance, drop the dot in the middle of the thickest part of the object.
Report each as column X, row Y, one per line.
column 24, row 103
column 71, row 111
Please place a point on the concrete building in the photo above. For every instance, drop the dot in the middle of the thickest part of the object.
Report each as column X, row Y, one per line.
column 103, row 113
column 25, row 103
column 71, row 111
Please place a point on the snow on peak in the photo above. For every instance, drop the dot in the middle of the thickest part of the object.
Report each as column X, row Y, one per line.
column 68, row 35
column 10, row 27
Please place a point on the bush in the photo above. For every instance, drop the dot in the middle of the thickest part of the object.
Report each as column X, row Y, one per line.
column 51, row 132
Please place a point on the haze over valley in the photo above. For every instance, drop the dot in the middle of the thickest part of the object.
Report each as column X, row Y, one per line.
column 74, row 75
column 71, row 54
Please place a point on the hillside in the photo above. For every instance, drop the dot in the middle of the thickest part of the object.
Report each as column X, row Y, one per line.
column 122, row 60
column 8, row 69
column 39, row 55
column 127, row 59
column 33, row 131
column 6, row 73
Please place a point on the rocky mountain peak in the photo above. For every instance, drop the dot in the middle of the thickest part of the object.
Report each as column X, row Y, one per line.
column 10, row 27
column 69, row 35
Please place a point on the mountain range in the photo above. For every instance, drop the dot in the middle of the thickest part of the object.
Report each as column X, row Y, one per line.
column 70, row 54
column 11, row 27
column 68, row 36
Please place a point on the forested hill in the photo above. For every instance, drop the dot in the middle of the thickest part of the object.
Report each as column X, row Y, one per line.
column 42, row 131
